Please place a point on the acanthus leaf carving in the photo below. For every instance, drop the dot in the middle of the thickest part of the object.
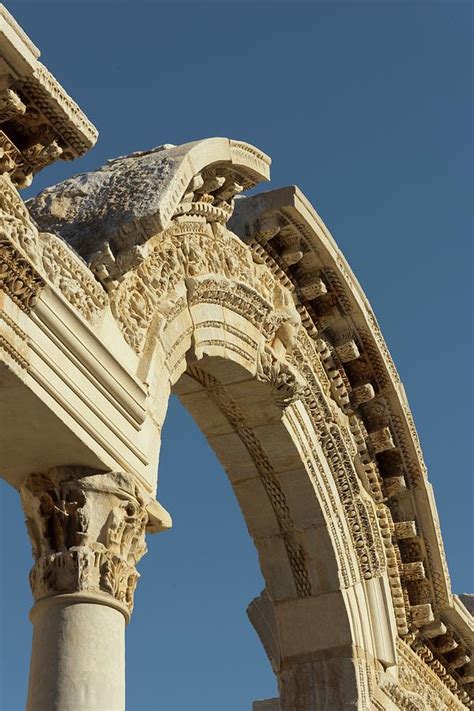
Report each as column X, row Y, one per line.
column 87, row 531
column 75, row 281
column 287, row 385
column 10, row 105
column 18, row 278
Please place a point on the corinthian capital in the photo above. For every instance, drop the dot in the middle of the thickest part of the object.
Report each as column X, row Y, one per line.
column 87, row 531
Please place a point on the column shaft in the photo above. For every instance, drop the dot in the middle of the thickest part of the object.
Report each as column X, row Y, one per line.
column 87, row 530
column 78, row 657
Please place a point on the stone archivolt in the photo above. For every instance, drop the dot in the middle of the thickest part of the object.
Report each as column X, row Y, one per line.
column 154, row 273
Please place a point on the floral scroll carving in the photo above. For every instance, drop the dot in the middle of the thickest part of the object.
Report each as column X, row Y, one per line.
column 214, row 267
column 87, row 531
column 18, row 278
column 19, row 275
column 75, row 281
column 29, row 259
column 15, row 222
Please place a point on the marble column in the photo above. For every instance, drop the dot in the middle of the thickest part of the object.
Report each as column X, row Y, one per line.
column 87, row 531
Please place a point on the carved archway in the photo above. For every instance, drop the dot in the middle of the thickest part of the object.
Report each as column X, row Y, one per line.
column 153, row 274
column 248, row 311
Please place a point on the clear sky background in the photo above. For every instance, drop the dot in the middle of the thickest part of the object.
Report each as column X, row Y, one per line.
column 367, row 106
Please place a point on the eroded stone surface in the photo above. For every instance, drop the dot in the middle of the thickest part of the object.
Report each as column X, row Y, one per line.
column 246, row 309
column 39, row 122
column 134, row 197
column 87, row 531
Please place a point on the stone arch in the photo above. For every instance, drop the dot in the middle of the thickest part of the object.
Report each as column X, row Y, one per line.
column 246, row 308
column 313, row 616
column 235, row 354
column 218, row 320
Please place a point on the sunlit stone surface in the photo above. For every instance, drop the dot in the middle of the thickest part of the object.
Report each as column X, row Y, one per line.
column 153, row 275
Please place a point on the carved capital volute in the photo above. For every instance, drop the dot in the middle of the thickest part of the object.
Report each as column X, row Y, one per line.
column 87, row 531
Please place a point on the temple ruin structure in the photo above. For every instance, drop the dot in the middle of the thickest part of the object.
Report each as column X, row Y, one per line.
column 156, row 275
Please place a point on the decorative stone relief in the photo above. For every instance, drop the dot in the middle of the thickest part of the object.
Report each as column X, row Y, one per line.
column 19, row 251
column 418, row 688
column 60, row 110
column 87, row 531
column 16, row 224
column 18, row 278
column 211, row 195
column 365, row 385
column 29, row 136
column 76, row 282
column 133, row 198
column 28, row 259
column 216, row 268
column 359, row 515
column 39, row 121
column 287, row 385
column 10, row 105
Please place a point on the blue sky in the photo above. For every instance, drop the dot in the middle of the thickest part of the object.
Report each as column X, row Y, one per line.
column 367, row 106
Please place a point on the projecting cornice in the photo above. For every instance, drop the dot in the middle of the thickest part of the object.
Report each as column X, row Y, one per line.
column 39, row 122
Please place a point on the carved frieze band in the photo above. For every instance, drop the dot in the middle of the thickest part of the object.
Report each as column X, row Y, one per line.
column 217, row 269
column 359, row 513
column 75, row 281
column 419, row 686
column 29, row 259
column 87, row 531
column 39, row 121
column 19, row 276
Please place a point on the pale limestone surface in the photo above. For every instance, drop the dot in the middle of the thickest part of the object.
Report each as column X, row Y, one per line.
column 83, row 644
column 162, row 279
column 134, row 197
column 40, row 123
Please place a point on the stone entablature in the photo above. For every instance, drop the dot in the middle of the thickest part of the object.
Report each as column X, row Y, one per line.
column 355, row 356
column 39, row 122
